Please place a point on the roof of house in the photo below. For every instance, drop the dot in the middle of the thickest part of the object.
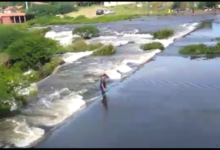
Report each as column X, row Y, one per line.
column 11, row 14
column 9, row 8
column 40, row 3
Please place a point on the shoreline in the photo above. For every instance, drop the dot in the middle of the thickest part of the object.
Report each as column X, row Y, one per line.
column 136, row 16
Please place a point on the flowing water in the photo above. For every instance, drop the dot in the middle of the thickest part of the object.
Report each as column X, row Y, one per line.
column 75, row 85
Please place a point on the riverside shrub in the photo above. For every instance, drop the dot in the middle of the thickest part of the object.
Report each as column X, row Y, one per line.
column 151, row 46
column 41, row 32
column 79, row 45
column 86, row 32
column 105, row 51
column 33, row 51
column 163, row 34
column 49, row 67
column 194, row 49
column 200, row 49
column 8, row 35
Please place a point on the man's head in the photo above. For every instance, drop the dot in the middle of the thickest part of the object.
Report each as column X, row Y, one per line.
column 104, row 76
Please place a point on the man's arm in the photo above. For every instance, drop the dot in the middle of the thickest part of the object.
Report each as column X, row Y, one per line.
column 103, row 87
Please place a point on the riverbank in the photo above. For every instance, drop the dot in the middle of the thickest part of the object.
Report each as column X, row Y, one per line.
column 168, row 98
column 47, row 20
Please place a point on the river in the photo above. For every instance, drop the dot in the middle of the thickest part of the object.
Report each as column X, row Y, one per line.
column 169, row 87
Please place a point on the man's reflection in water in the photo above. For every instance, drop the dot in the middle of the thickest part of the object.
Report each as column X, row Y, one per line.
column 105, row 103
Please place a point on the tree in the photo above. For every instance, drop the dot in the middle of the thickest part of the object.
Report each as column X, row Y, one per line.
column 8, row 36
column 31, row 51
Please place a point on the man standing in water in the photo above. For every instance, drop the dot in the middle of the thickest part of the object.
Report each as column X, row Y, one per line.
column 103, row 84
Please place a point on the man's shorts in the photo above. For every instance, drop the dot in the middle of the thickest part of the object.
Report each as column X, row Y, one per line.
column 102, row 91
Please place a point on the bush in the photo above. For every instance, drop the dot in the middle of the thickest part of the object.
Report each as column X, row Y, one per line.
column 11, row 79
column 52, row 20
column 163, row 34
column 194, row 49
column 151, row 46
column 43, row 10
column 105, row 51
column 41, row 32
column 49, row 67
column 64, row 9
column 81, row 17
column 217, row 39
column 33, row 51
column 79, row 45
column 9, row 34
column 86, row 31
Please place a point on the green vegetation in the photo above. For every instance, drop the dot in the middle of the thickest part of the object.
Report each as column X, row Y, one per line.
column 217, row 39
column 163, row 34
column 49, row 67
column 52, row 20
column 42, row 10
column 200, row 49
column 105, row 51
column 79, row 45
column 86, row 32
column 41, row 31
column 153, row 45
column 22, row 50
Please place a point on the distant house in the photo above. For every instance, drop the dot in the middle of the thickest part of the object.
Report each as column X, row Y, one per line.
column 40, row 3
column 12, row 18
column 12, row 9
column 109, row 4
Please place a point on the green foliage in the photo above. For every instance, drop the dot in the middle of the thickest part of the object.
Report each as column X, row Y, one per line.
column 200, row 49
column 49, row 67
column 105, row 51
column 41, row 31
column 64, row 9
column 206, row 4
column 194, row 49
column 52, row 20
column 8, row 35
column 217, row 39
column 153, row 45
column 163, row 34
column 11, row 80
column 79, row 45
column 176, row 5
column 86, row 31
column 44, row 10
column 33, row 51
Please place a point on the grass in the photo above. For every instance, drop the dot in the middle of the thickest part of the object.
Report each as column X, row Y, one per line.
column 79, row 45
column 200, row 49
column 217, row 39
column 105, row 51
column 152, row 46
column 88, row 15
column 90, row 12
column 163, row 34
column 86, row 31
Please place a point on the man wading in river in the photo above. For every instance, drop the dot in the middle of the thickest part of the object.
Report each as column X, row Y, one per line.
column 103, row 84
